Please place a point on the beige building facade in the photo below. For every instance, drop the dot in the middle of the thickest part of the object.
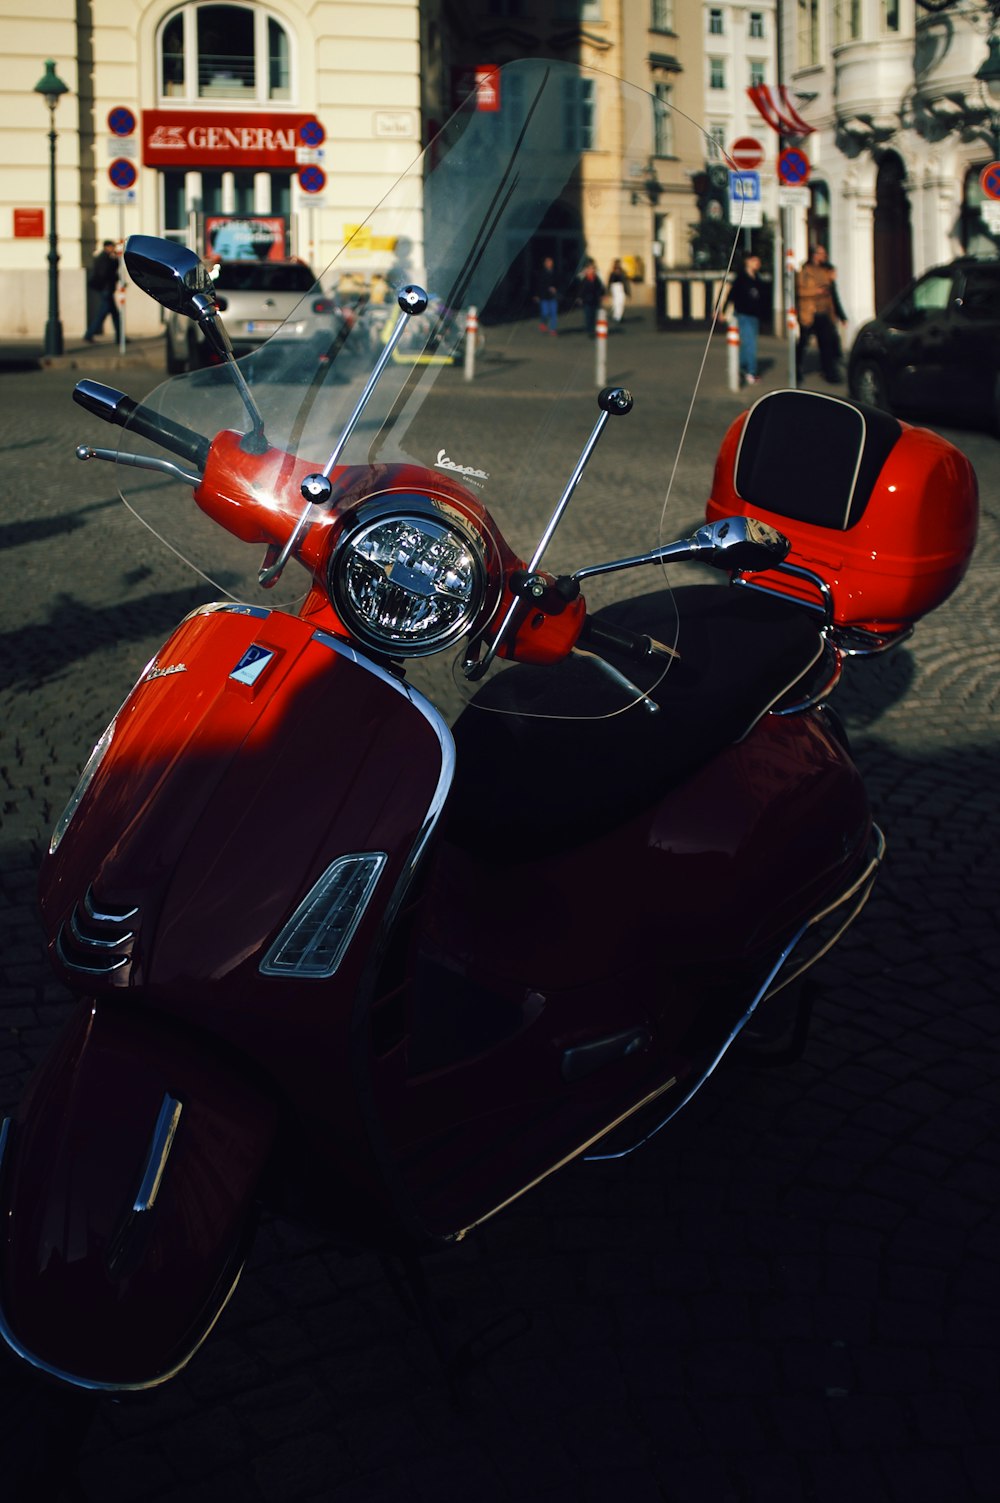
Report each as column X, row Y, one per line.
column 208, row 120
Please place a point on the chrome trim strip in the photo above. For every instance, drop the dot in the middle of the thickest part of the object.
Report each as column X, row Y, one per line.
column 95, row 1385
column 857, row 642
column 79, row 965
column 821, row 694
column 105, row 918
column 91, row 941
column 159, row 1151
column 816, row 580
column 862, row 884
column 861, row 887
column 446, row 742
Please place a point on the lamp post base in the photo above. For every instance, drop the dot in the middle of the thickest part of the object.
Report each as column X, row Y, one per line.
column 53, row 338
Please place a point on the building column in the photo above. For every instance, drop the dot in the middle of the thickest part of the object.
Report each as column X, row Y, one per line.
column 854, row 240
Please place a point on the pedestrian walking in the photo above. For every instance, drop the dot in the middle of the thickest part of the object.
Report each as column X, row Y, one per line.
column 103, row 279
column 589, row 292
column 620, row 289
column 745, row 298
column 819, row 312
column 547, row 297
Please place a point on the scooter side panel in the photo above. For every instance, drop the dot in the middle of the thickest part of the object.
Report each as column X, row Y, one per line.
column 656, row 935
column 92, row 1287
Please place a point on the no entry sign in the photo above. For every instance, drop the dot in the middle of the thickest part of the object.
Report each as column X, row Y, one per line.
column 747, row 153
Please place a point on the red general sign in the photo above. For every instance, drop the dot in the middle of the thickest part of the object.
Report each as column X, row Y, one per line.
column 747, row 153
column 209, row 138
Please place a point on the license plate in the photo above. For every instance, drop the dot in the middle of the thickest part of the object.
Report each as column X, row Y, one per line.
column 263, row 325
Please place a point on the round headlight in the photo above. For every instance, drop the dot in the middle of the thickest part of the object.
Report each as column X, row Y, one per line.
column 408, row 584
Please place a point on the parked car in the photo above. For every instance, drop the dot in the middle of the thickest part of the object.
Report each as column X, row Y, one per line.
column 259, row 299
column 935, row 349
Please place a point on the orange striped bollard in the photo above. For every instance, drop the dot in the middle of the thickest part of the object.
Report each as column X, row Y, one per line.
column 471, row 335
column 601, row 347
column 733, row 355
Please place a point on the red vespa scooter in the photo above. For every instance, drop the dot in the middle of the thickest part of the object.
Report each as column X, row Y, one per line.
column 379, row 948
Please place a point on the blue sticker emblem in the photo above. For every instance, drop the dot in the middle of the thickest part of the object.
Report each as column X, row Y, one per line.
column 252, row 664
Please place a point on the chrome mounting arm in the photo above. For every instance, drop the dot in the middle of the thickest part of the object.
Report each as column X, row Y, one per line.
column 316, row 488
column 614, row 401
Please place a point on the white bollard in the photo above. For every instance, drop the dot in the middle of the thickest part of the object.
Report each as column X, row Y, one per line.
column 733, row 355
column 471, row 334
column 601, row 350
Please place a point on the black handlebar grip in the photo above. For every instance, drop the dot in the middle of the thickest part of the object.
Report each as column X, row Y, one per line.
column 115, row 407
column 618, row 639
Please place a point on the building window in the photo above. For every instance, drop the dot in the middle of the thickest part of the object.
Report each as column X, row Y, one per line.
column 756, row 29
column 890, row 15
column 758, row 72
column 715, row 145
column 847, row 20
column 578, row 114
column 663, row 121
column 662, row 15
column 224, row 52
column 716, row 73
column 807, row 40
column 716, row 26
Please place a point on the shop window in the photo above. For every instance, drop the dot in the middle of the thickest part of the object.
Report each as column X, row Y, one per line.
column 224, row 52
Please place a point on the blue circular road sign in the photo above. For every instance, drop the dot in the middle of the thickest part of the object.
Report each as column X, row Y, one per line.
column 122, row 173
column 121, row 121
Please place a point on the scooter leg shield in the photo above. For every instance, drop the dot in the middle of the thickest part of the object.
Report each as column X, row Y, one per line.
column 127, row 1194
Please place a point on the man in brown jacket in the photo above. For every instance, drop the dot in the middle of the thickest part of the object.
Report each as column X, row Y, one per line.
column 819, row 312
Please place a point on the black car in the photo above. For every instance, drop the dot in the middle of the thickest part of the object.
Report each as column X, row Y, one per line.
column 935, row 349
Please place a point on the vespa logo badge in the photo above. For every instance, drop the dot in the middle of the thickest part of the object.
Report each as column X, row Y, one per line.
column 468, row 471
column 157, row 672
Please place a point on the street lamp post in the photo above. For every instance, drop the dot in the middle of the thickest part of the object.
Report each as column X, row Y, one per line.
column 51, row 88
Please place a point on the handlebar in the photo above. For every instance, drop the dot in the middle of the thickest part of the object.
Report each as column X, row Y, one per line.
column 117, row 408
column 628, row 644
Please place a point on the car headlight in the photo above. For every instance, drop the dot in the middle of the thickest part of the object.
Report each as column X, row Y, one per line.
column 410, row 581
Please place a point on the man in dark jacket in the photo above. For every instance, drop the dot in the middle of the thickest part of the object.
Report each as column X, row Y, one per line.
column 746, row 299
column 103, row 280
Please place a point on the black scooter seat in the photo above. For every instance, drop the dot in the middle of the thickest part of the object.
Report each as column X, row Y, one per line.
column 565, row 780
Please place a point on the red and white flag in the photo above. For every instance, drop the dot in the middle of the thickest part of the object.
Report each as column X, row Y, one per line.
column 775, row 105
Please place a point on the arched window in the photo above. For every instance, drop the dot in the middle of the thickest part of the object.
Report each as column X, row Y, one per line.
column 234, row 52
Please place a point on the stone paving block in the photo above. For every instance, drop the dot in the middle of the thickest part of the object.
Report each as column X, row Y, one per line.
column 924, row 1475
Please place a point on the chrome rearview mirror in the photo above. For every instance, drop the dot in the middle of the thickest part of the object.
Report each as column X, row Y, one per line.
column 172, row 274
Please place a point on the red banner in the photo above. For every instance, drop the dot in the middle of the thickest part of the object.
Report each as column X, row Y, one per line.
column 220, row 139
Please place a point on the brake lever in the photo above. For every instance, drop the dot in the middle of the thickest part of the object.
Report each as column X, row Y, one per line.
column 140, row 462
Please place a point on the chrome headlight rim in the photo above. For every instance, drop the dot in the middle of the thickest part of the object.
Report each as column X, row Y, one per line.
column 436, row 521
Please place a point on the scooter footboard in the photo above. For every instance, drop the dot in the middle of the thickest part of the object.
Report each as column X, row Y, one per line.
column 127, row 1193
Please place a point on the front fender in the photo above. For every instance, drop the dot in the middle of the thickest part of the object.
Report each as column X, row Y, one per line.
column 127, row 1192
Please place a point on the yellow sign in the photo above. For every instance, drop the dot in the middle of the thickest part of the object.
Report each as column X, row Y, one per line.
column 359, row 237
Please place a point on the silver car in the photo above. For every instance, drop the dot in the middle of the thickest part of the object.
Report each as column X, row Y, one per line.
column 256, row 297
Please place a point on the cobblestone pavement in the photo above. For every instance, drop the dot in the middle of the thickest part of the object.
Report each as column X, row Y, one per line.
column 790, row 1295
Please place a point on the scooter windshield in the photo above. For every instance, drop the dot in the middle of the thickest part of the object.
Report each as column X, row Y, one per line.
column 552, row 198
